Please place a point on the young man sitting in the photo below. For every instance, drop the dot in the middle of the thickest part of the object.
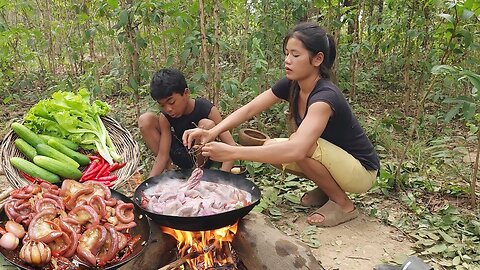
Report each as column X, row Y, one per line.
column 163, row 133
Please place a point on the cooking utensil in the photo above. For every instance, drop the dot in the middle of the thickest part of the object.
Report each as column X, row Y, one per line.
column 200, row 223
column 142, row 229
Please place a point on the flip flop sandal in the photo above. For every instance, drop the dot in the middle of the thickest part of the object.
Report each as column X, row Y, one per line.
column 333, row 215
column 316, row 197
column 412, row 263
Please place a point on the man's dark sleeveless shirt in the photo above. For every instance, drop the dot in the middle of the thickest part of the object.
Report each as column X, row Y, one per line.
column 343, row 128
column 200, row 111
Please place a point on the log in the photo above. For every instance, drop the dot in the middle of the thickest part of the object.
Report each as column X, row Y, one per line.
column 260, row 245
column 179, row 262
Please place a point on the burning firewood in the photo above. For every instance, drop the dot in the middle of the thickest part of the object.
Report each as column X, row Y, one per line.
column 180, row 261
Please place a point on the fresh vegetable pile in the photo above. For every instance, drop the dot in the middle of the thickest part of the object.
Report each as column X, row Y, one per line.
column 52, row 135
column 72, row 116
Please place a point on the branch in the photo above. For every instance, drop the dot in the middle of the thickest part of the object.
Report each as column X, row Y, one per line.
column 179, row 262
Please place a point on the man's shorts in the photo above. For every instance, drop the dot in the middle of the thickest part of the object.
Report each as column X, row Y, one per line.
column 347, row 171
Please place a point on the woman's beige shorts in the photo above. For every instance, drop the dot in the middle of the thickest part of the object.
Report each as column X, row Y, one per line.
column 347, row 171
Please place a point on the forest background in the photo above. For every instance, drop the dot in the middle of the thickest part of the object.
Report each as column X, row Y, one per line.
column 409, row 68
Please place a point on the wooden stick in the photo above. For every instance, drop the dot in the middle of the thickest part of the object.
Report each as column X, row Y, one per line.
column 179, row 262
column 228, row 253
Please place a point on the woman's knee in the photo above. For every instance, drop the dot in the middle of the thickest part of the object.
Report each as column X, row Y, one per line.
column 147, row 120
column 206, row 123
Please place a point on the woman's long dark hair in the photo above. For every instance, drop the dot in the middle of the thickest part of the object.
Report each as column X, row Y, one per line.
column 315, row 39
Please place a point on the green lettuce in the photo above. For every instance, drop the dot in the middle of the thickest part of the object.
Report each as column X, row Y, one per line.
column 72, row 116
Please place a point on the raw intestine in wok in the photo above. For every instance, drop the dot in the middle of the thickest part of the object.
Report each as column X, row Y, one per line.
column 194, row 197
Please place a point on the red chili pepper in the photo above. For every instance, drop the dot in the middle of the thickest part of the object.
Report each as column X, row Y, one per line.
column 39, row 181
column 121, row 165
column 92, row 157
column 110, row 178
column 90, row 176
column 28, row 177
column 103, row 170
column 106, row 183
column 89, row 169
column 113, row 167
column 32, row 179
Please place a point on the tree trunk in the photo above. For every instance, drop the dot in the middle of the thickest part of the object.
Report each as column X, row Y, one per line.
column 205, row 58
column 379, row 21
column 354, row 54
column 216, row 53
column 134, row 55
column 164, row 41
column 350, row 23
column 407, row 97
column 45, row 22
column 473, row 180
column 91, row 48
column 244, row 55
column 336, row 36
column 411, row 133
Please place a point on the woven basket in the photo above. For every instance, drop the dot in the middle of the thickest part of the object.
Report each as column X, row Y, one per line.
column 126, row 146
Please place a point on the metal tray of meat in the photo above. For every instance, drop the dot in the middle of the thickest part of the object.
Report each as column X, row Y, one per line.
column 200, row 223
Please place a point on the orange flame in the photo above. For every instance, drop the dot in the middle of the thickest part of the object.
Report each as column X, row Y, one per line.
column 213, row 248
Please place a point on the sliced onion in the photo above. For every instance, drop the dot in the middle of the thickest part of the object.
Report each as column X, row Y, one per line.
column 9, row 241
column 15, row 228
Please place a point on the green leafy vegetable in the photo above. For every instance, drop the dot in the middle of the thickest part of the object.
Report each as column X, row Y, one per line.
column 72, row 116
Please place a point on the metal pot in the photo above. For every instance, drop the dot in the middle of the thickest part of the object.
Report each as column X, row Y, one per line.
column 200, row 223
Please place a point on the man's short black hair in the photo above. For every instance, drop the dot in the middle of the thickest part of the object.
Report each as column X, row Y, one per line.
column 167, row 81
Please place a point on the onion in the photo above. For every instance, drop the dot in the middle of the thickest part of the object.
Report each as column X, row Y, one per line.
column 15, row 228
column 9, row 241
column 35, row 253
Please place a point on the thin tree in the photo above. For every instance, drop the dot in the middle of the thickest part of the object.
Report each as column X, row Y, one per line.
column 204, row 50
column 216, row 52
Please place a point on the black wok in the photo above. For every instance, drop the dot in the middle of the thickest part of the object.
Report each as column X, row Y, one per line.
column 142, row 229
column 200, row 223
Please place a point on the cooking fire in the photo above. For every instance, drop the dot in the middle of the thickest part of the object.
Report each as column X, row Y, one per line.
column 204, row 249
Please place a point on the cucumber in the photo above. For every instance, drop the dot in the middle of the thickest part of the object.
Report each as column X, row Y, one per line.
column 28, row 150
column 60, row 168
column 78, row 157
column 34, row 170
column 26, row 134
column 65, row 142
column 47, row 150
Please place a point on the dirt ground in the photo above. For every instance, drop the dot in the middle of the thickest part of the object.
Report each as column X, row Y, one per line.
column 359, row 244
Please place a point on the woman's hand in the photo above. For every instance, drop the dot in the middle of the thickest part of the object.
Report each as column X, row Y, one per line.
column 218, row 151
column 202, row 136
